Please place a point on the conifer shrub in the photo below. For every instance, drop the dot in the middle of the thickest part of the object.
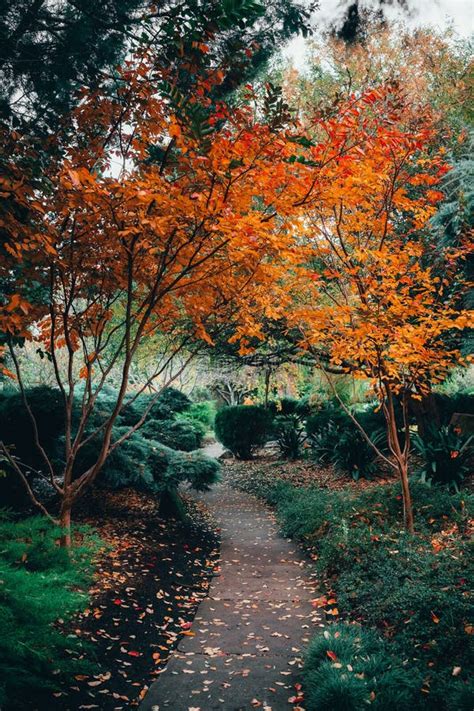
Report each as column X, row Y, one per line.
column 15, row 423
column 351, row 668
column 16, row 431
column 242, row 428
column 184, row 434
column 195, row 468
column 169, row 402
column 39, row 583
column 141, row 461
column 203, row 412
column 148, row 465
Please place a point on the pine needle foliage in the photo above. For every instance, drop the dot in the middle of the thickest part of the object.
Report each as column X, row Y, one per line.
column 40, row 583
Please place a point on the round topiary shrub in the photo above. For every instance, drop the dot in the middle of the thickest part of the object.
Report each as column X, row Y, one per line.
column 242, row 428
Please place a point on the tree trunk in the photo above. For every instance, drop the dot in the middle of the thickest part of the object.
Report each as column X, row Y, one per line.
column 65, row 523
column 171, row 506
column 407, row 502
column 401, row 457
column 267, row 386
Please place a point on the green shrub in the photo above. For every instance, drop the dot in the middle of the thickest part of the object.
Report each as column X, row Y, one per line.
column 149, row 465
column 449, row 404
column 185, row 435
column 39, row 583
column 290, row 434
column 349, row 667
column 354, row 455
column 336, row 439
column 16, row 430
column 414, row 589
column 330, row 412
column 242, row 428
column 15, row 424
column 288, row 406
column 169, row 402
column 202, row 412
column 304, row 407
column 13, row 494
column 447, row 456
column 195, row 468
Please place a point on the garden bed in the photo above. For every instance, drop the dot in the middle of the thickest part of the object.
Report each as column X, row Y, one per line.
column 258, row 475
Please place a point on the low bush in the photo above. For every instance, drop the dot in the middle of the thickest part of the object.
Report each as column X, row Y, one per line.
column 195, row 468
column 412, row 589
column 354, row 455
column 185, row 434
column 242, row 428
column 291, row 435
column 447, row 405
column 330, row 412
column 339, row 442
column 169, row 402
column 447, row 456
column 141, row 461
column 288, row 406
column 15, row 423
column 39, row 583
column 202, row 412
column 351, row 668
column 149, row 465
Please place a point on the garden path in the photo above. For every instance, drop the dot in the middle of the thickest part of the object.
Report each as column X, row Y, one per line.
column 245, row 646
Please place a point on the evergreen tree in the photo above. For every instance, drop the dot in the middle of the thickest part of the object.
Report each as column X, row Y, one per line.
column 49, row 50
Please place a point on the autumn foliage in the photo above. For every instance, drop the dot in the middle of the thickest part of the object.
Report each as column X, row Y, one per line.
column 146, row 223
column 378, row 307
column 173, row 215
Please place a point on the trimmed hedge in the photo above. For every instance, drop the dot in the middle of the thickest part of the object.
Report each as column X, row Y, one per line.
column 242, row 428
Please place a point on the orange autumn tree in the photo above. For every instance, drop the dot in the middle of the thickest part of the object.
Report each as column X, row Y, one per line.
column 372, row 305
column 147, row 225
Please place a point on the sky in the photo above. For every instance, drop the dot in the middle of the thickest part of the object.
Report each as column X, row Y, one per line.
column 435, row 13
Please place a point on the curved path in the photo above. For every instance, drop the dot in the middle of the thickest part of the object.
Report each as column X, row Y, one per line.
column 246, row 642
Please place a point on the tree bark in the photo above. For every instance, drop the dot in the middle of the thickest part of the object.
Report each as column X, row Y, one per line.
column 65, row 523
column 407, row 502
column 401, row 457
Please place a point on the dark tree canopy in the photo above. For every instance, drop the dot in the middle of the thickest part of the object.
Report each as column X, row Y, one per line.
column 48, row 50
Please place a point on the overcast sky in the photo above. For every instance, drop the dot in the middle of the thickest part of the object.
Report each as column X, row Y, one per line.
column 436, row 13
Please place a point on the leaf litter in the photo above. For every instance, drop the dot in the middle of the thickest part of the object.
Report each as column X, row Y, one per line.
column 147, row 588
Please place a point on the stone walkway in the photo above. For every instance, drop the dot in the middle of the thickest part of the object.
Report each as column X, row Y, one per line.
column 246, row 642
